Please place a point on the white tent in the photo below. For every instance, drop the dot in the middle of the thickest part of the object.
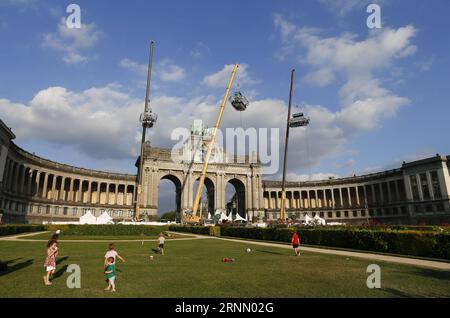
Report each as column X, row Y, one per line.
column 240, row 218
column 308, row 219
column 230, row 217
column 105, row 218
column 319, row 220
column 209, row 216
column 223, row 216
column 88, row 218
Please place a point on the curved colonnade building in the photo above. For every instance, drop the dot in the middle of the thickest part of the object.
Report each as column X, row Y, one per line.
column 34, row 189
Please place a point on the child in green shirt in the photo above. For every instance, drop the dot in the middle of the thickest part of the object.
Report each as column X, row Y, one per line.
column 110, row 274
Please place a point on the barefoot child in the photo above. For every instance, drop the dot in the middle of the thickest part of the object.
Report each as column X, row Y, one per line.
column 110, row 274
column 50, row 260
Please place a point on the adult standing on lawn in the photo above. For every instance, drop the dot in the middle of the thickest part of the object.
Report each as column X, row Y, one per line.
column 295, row 243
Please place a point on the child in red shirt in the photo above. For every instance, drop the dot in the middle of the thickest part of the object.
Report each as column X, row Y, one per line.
column 295, row 243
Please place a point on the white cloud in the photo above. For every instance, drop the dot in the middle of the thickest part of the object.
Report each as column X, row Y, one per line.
column 133, row 66
column 364, row 102
column 220, row 79
column 343, row 7
column 72, row 41
column 165, row 70
column 170, row 72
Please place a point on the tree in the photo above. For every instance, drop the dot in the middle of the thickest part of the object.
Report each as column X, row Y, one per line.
column 170, row 216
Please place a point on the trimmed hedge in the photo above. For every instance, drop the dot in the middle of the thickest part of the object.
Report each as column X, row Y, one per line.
column 108, row 230
column 202, row 230
column 12, row 229
column 415, row 243
column 434, row 244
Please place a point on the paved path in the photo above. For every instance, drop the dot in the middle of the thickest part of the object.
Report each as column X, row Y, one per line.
column 371, row 256
column 19, row 238
column 376, row 257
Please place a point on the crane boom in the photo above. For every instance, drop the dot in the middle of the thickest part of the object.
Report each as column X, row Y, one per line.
column 211, row 143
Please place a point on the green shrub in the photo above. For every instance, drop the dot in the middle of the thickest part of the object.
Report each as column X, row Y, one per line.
column 11, row 229
column 202, row 230
column 433, row 244
column 109, row 230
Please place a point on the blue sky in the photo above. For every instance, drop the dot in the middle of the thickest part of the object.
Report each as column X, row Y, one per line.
column 375, row 97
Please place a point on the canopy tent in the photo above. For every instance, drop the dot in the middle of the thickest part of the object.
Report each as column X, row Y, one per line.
column 319, row 220
column 88, row 218
column 240, row 218
column 105, row 218
column 308, row 219
column 209, row 216
column 223, row 216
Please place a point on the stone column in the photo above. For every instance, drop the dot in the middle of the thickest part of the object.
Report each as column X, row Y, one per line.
column 70, row 197
column 107, row 193
column 38, row 180
column 389, row 191
column 62, row 192
column 374, row 197
column 380, row 186
column 30, row 182
column 44, row 187
column 21, row 186
column 419, row 186
column 116, row 194
column 55, row 178
column 333, row 203
column 349, row 196
column 358, row 202
column 341, row 198
column 89, row 199
column 430, row 185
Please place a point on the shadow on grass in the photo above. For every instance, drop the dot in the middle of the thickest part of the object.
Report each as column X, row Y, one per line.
column 270, row 252
column 17, row 266
column 61, row 260
column 431, row 273
column 399, row 293
column 60, row 272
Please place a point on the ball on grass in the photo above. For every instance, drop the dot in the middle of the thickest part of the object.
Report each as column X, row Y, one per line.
column 248, row 250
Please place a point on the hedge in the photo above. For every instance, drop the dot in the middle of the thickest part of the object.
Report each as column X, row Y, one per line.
column 12, row 229
column 432, row 244
column 110, row 230
column 203, row 230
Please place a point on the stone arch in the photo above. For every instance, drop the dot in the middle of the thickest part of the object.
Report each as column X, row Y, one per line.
column 210, row 193
column 176, row 180
column 239, row 200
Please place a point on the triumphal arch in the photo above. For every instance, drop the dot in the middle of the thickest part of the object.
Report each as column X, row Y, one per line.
column 183, row 167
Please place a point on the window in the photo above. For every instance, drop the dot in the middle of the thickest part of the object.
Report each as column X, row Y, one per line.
column 346, row 214
column 414, row 187
column 363, row 213
column 39, row 210
column 404, row 210
column 330, row 215
column 321, row 214
column 338, row 214
column 74, row 211
column 47, row 209
column 355, row 213
column 371, row 212
column 425, row 188
column 56, row 210
column 429, row 208
column 435, row 185
column 379, row 212
column 65, row 210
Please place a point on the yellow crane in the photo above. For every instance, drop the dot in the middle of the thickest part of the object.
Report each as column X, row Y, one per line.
column 194, row 219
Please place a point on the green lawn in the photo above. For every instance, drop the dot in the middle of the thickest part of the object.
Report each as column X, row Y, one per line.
column 194, row 268
column 46, row 236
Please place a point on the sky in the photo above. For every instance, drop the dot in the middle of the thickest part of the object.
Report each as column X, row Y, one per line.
column 375, row 97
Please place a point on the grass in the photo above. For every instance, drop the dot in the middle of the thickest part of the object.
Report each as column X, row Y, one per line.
column 194, row 268
column 46, row 236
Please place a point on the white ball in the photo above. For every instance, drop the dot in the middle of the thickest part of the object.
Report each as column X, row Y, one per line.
column 248, row 250
column 58, row 231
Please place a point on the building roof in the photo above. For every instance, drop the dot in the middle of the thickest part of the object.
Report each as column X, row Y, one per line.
column 7, row 130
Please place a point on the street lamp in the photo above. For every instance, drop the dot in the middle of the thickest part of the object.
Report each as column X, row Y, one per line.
column 297, row 120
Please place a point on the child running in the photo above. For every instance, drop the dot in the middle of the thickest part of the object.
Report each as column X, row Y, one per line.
column 161, row 241
column 110, row 274
column 112, row 253
column 50, row 261
column 295, row 243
